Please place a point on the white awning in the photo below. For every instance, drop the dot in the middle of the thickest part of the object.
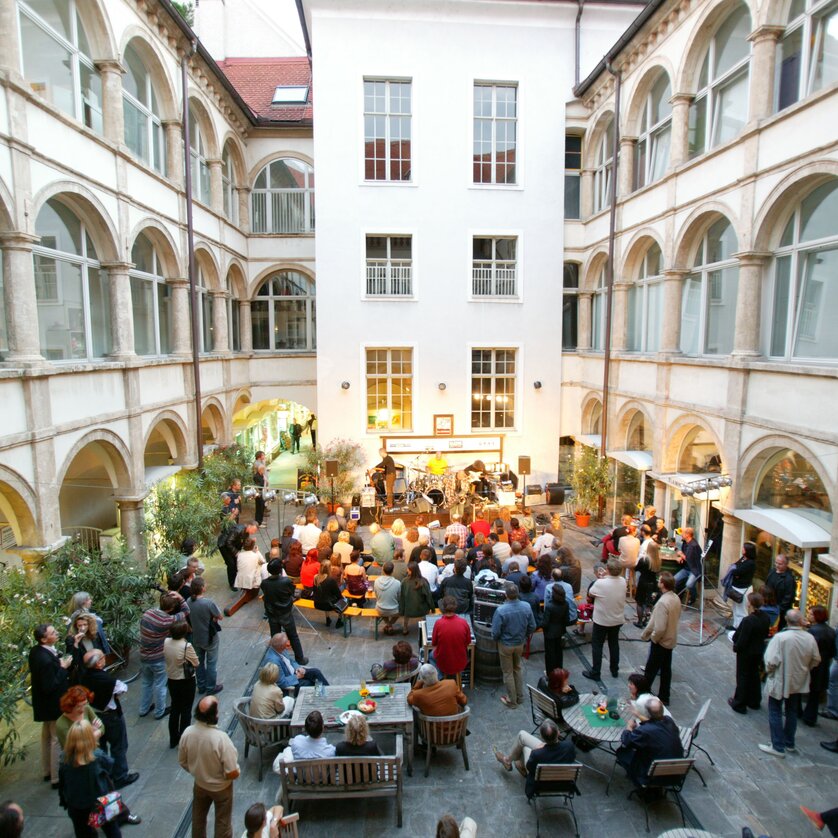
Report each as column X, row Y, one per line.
column 157, row 474
column 680, row 478
column 640, row 460
column 591, row 440
column 787, row 525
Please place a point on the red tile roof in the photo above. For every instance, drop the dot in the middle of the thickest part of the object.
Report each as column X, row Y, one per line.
column 256, row 79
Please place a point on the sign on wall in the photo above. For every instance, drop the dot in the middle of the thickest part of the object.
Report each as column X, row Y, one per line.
column 455, row 444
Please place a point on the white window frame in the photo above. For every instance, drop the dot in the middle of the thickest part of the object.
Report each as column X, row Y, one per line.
column 494, row 296
column 388, row 265
column 198, row 160
column 157, row 280
column 230, row 203
column 153, row 122
column 651, row 138
column 494, row 120
column 388, row 114
column 598, row 304
column 604, row 168
column 205, row 312
column 267, row 194
column 77, row 59
column 641, row 286
column 233, row 317
column 311, row 314
column 514, row 377
column 365, row 377
column 573, row 174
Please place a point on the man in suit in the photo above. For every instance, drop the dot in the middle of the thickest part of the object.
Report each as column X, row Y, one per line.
column 529, row 752
column 292, row 674
column 49, row 682
column 106, row 691
column 641, row 744
column 278, row 599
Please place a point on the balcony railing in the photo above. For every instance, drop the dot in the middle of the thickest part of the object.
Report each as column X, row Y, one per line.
column 389, row 278
column 283, row 211
column 494, row 279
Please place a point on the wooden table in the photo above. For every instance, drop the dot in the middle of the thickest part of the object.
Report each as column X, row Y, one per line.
column 426, row 630
column 606, row 738
column 393, row 714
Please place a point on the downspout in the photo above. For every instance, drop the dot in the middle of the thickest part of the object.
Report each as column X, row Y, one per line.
column 302, row 15
column 580, row 4
column 609, row 265
column 190, row 248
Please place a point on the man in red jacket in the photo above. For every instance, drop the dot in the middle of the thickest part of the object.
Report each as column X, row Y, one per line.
column 450, row 639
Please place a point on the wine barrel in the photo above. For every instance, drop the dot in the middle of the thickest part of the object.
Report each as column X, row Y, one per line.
column 486, row 658
column 555, row 494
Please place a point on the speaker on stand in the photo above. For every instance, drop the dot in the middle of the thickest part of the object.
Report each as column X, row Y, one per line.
column 523, row 471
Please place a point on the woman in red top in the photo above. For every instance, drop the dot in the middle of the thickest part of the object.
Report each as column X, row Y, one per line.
column 480, row 524
column 310, row 569
column 518, row 533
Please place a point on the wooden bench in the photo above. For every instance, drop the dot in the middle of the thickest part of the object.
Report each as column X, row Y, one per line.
column 343, row 778
column 351, row 611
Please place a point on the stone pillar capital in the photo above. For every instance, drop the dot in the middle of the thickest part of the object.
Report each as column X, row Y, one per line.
column 109, row 65
column 767, row 32
column 17, row 240
column 177, row 281
column 219, row 292
column 170, row 123
column 675, row 274
column 214, row 162
column 117, row 267
column 752, row 257
column 627, row 141
column 681, row 99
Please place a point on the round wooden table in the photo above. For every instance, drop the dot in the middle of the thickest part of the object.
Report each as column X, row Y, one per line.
column 579, row 723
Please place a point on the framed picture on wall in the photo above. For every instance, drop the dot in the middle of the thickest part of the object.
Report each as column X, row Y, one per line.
column 443, row 424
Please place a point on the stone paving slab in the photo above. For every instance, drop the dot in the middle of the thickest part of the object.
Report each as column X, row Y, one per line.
column 745, row 787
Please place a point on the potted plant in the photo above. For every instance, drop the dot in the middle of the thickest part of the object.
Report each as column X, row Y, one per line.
column 590, row 478
column 349, row 457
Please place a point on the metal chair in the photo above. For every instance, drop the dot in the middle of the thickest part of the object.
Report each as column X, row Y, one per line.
column 557, row 780
column 668, row 775
column 690, row 734
column 543, row 707
column 443, row 732
column 260, row 733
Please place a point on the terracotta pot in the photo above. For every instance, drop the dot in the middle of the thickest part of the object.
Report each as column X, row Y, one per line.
column 583, row 519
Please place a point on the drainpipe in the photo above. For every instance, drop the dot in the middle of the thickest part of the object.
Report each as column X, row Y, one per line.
column 609, row 265
column 190, row 247
column 580, row 4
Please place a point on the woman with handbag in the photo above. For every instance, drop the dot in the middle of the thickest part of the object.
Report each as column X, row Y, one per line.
column 416, row 599
column 181, row 662
column 83, row 779
column 742, row 576
column 327, row 592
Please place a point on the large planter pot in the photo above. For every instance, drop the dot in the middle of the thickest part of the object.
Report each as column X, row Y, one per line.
column 583, row 519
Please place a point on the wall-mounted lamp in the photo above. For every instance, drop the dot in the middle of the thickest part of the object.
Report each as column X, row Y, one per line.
column 537, row 385
column 441, row 385
column 344, row 385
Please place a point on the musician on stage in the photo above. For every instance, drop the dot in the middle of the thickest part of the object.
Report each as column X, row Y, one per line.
column 387, row 467
column 437, row 465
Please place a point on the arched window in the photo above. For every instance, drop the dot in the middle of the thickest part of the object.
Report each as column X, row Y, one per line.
column 598, row 313
column 720, row 108
column 198, row 155
column 604, row 170
column 4, row 329
column 151, row 301
column 233, row 310
column 645, row 304
column 57, row 60
column 143, row 129
column 228, row 186
column 595, row 419
column 804, row 303
column 708, row 303
column 283, row 198
column 205, row 327
column 637, row 437
column 570, row 306
column 72, row 291
column 283, row 313
column 652, row 150
column 699, row 453
column 789, row 481
column 807, row 56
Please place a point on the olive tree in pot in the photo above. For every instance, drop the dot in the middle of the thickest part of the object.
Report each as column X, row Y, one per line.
column 590, row 479
column 349, row 456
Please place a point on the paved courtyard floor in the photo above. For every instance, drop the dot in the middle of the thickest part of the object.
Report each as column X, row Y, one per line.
column 744, row 788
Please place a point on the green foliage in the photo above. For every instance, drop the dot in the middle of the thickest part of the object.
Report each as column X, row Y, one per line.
column 186, row 10
column 350, row 458
column 590, row 478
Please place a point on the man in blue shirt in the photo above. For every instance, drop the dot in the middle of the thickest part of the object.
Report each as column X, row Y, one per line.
column 688, row 576
column 292, row 675
column 512, row 623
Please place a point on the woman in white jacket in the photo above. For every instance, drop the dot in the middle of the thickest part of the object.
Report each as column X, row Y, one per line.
column 250, row 570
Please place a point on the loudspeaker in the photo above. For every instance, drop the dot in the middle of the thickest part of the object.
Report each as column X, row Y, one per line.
column 555, row 494
column 523, row 466
column 356, row 499
column 420, row 505
column 331, row 468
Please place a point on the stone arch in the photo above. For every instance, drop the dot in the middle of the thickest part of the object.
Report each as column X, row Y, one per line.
column 241, row 399
column 89, row 209
column 165, row 440
column 758, row 453
column 202, row 115
column 648, row 77
column 277, row 155
column 237, row 278
column 636, row 249
column 589, row 147
column 590, row 272
column 161, row 238
column 205, row 259
column 237, row 155
column 703, row 30
column 276, row 268
column 17, row 502
column 696, row 225
column 213, row 422
column 112, row 448
column 625, row 416
column 782, row 201
column 590, row 402
column 677, row 433
column 7, row 204
column 97, row 26
column 136, row 37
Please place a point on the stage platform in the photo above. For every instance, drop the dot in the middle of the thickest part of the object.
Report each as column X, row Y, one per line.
column 409, row 518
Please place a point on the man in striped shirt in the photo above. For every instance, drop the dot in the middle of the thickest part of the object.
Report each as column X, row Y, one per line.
column 154, row 629
column 456, row 527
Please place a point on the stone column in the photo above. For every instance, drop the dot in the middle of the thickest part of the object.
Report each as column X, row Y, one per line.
column 216, row 186
column 584, row 322
column 671, row 332
column 220, row 342
column 174, row 151
column 112, row 114
column 731, row 543
column 245, row 326
column 679, row 150
column 625, row 185
column 586, row 193
column 832, row 564
column 660, row 497
column 132, row 526
column 122, row 319
column 619, row 317
column 9, row 44
column 181, row 329
column 243, row 197
column 763, row 59
column 19, row 298
column 748, row 303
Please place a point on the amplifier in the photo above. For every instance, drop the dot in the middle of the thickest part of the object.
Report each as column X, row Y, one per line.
column 485, row 611
column 496, row 595
column 368, row 496
column 355, row 513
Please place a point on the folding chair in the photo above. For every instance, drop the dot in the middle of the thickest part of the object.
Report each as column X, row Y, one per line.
column 668, row 775
column 690, row 734
column 556, row 781
column 543, row 707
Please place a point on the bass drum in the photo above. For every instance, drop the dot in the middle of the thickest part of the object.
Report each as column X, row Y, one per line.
column 436, row 496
